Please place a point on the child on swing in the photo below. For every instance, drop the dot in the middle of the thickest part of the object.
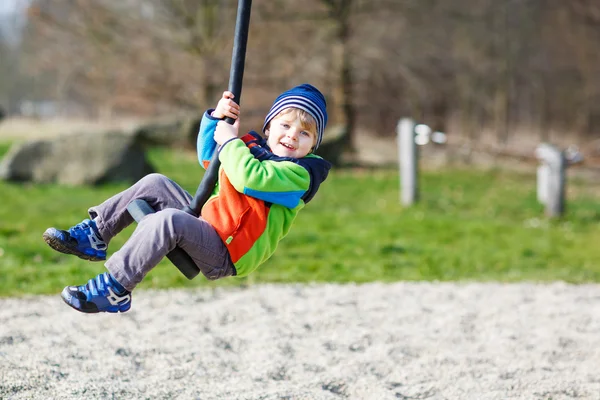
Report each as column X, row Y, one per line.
column 263, row 184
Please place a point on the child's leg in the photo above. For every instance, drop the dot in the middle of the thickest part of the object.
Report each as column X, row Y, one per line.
column 89, row 239
column 158, row 234
column 155, row 236
column 160, row 192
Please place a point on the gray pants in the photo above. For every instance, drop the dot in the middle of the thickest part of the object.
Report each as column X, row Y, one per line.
column 157, row 234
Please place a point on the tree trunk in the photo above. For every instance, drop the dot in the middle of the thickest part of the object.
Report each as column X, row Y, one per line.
column 347, row 82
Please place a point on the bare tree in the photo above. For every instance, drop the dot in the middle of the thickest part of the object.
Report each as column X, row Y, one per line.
column 486, row 71
column 147, row 57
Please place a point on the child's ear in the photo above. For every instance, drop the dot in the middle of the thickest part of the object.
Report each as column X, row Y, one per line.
column 267, row 132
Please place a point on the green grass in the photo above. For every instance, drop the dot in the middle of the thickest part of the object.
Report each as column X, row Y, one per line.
column 4, row 147
column 468, row 225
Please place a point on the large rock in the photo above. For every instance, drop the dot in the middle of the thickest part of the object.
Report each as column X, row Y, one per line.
column 77, row 159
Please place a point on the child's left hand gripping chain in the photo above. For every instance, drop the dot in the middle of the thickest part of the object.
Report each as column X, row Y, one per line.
column 226, row 107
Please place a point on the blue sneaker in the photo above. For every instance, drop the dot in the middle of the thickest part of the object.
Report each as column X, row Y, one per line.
column 101, row 294
column 82, row 240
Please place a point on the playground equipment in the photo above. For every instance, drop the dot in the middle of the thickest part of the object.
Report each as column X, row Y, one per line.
column 140, row 208
column 551, row 176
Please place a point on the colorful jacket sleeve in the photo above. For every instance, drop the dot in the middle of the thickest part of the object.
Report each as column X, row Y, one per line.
column 278, row 182
column 205, row 143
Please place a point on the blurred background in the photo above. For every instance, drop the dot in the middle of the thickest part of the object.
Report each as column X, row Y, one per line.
column 497, row 78
column 501, row 74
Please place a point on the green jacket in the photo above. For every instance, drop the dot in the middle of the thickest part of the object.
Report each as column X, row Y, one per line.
column 258, row 194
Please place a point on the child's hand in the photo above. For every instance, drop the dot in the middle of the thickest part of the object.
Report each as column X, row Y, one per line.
column 225, row 132
column 227, row 107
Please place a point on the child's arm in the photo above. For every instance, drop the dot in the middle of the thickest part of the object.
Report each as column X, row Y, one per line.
column 279, row 182
column 205, row 143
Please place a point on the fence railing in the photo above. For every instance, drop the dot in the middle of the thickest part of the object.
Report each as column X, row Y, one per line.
column 551, row 173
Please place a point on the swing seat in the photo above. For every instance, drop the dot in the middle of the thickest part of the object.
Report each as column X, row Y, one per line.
column 139, row 209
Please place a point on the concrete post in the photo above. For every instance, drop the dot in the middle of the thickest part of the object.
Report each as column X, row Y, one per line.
column 408, row 163
column 543, row 175
column 552, row 188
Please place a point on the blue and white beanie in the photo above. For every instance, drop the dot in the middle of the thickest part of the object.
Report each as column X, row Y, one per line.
column 305, row 97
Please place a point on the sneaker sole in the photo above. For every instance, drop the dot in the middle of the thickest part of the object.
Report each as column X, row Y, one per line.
column 62, row 248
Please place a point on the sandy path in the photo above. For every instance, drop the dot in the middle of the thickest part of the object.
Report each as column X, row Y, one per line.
column 375, row 341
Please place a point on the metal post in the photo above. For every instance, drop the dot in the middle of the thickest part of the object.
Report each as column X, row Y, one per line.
column 543, row 175
column 408, row 163
column 554, row 187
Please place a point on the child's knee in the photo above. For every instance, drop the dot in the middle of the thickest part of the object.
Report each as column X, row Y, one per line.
column 154, row 179
column 170, row 219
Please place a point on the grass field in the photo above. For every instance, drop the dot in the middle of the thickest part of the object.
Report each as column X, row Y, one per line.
column 469, row 225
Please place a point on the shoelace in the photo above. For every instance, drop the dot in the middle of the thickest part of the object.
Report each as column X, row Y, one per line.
column 96, row 286
column 100, row 285
column 81, row 226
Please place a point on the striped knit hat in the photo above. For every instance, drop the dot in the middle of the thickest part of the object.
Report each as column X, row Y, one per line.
column 305, row 97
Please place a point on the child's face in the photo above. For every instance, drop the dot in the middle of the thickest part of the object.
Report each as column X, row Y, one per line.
column 287, row 138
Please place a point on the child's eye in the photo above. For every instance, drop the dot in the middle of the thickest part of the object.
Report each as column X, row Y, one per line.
column 286, row 126
column 305, row 133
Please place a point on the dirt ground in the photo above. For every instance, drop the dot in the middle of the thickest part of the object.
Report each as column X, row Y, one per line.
column 373, row 341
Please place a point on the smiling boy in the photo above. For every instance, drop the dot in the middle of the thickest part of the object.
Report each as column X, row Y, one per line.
column 262, row 186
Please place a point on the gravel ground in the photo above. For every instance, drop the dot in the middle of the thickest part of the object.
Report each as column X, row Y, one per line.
column 373, row 341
